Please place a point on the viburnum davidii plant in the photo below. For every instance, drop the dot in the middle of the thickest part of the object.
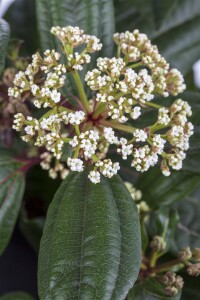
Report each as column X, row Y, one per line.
column 113, row 132
column 122, row 88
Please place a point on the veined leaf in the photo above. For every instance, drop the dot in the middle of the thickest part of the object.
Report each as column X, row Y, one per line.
column 4, row 37
column 91, row 245
column 11, row 192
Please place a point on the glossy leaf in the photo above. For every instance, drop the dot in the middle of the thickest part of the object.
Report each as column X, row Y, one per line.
column 91, row 242
column 11, row 192
column 4, row 37
column 17, row 296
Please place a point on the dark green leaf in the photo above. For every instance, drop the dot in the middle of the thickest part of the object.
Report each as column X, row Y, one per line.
column 159, row 190
column 188, row 229
column 11, row 192
column 17, row 296
column 91, row 242
column 31, row 229
column 4, row 37
column 191, row 288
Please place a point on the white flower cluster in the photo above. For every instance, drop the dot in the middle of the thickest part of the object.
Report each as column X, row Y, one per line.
column 136, row 47
column 87, row 142
column 121, row 94
column 112, row 79
column 42, row 78
column 72, row 37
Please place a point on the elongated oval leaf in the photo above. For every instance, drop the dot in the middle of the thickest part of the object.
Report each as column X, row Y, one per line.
column 90, row 247
column 11, row 192
column 4, row 37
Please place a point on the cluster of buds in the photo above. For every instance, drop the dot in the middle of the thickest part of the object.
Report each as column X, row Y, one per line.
column 121, row 89
column 173, row 283
column 191, row 260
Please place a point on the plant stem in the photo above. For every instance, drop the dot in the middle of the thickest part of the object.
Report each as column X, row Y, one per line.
column 77, row 130
column 152, row 104
column 101, row 108
column 136, row 65
column 118, row 126
column 81, row 91
column 166, row 266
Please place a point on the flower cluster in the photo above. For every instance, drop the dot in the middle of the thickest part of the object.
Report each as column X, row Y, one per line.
column 122, row 88
column 136, row 47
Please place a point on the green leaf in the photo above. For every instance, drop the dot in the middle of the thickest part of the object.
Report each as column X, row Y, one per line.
column 32, row 229
column 4, row 37
column 191, row 288
column 159, row 190
column 11, row 192
column 163, row 223
column 91, row 245
column 17, row 296
column 150, row 289
column 188, row 230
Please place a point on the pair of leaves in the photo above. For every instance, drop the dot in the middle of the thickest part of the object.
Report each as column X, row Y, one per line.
column 11, row 192
column 4, row 37
column 91, row 245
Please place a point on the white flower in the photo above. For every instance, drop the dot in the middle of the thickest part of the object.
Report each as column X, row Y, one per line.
column 109, row 135
column 75, row 164
column 135, row 112
column 76, row 118
column 140, row 135
column 94, row 176
column 55, row 96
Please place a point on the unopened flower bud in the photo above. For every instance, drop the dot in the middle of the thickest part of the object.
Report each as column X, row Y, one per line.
column 185, row 254
column 171, row 290
column 158, row 244
column 169, row 278
column 143, row 207
column 179, row 282
column 194, row 270
column 196, row 254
